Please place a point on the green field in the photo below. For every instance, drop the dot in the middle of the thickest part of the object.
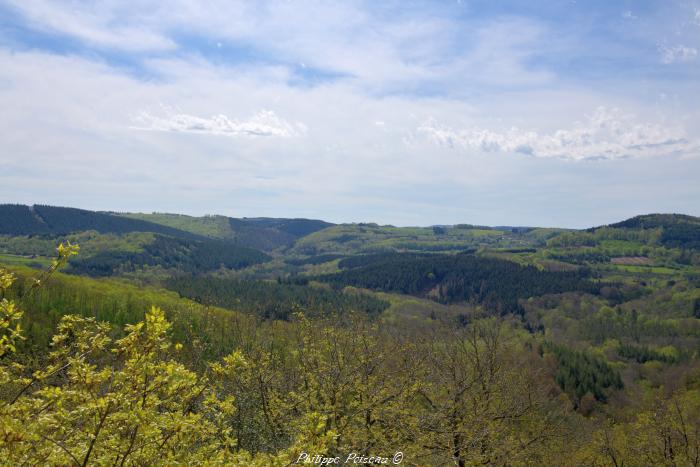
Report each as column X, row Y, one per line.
column 17, row 260
column 207, row 226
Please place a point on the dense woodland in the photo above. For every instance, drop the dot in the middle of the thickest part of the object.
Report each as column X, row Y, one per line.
column 170, row 253
column 274, row 299
column 259, row 233
column 38, row 219
column 534, row 347
column 495, row 283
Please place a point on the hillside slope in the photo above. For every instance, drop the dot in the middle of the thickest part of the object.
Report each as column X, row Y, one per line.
column 677, row 230
column 262, row 233
column 16, row 219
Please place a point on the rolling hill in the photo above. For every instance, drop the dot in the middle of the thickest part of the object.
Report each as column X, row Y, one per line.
column 17, row 219
column 262, row 233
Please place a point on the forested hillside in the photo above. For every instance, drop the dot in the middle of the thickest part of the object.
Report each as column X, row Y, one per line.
column 274, row 299
column 451, row 344
column 373, row 238
column 677, row 230
column 171, row 254
column 260, row 233
column 38, row 220
column 497, row 284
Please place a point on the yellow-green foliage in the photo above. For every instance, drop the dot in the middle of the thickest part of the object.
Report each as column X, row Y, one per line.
column 105, row 401
column 115, row 402
column 9, row 317
column 98, row 400
column 329, row 390
column 666, row 433
column 145, row 393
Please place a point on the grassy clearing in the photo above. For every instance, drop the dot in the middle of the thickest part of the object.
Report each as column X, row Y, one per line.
column 208, row 226
column 632, row 261
column 30, row 261
column 646, row 269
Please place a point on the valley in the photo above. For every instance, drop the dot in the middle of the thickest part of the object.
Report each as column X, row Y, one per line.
column 586, row 333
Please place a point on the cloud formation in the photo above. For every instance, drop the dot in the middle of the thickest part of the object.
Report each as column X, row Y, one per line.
column 97, row 24
column 677, row 54
column 607, row 134
column 263, row 124
column 77, row 78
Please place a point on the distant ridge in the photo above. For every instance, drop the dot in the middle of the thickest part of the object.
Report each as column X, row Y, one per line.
column 261, row 233
column 18, row 219
column 677, row 230
column 653, row 221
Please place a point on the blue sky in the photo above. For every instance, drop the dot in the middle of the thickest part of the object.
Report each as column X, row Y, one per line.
column 554, row 113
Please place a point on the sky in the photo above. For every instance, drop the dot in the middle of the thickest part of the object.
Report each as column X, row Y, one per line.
column 549, row 113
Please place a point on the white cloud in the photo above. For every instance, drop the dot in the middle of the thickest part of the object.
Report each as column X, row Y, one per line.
column 677, row 53
column 67, row 134
column 606, row 134
column 263, row 124
column 354, row 41
column 95, row 24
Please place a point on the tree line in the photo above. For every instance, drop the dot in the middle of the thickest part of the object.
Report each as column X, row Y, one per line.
column 497, row 284
column 190, row 256
column 273, row 299
column 16, row 219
